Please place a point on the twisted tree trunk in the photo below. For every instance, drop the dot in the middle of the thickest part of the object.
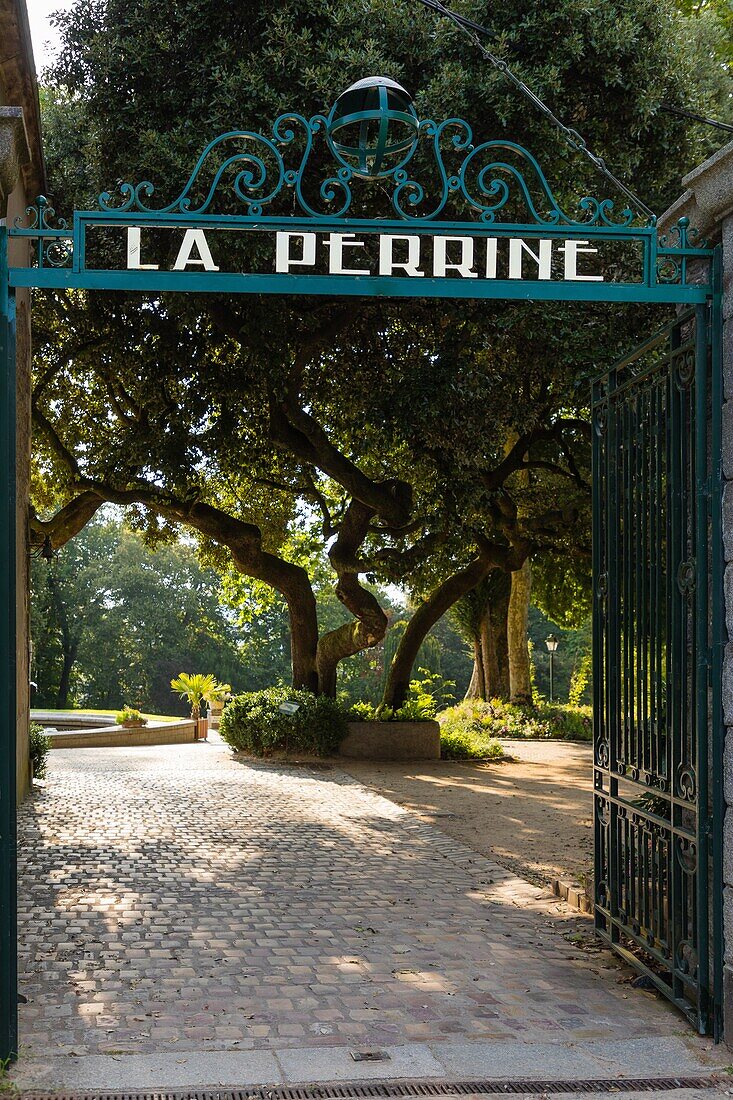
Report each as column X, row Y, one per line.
column 520, row 678
column 370, row 621
column 490, row 677
column 426, row 616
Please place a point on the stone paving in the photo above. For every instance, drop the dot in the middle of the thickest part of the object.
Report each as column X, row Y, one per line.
column 174, row 899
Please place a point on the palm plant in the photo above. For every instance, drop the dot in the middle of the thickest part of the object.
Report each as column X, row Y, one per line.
column 197, row 688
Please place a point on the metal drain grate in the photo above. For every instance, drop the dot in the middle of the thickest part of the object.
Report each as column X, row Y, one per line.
column 376, row 1090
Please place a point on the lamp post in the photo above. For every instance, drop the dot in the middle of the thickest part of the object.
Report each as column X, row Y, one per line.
column 552, row 643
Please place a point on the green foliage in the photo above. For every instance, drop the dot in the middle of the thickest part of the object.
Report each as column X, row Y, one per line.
column 252, row 722
column 197, row 689
column 561, row 588
column 40, row 746
column 465, row 741
column 425, row 698
column 177, row 393
column 552, row 721
column 130, row 714
column 114, row 621
column 580, row 680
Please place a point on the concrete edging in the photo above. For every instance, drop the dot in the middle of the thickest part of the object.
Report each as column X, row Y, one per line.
column 391, row 741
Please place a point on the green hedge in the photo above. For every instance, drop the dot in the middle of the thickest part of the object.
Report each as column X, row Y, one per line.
column 253, row 723
column 40, row 746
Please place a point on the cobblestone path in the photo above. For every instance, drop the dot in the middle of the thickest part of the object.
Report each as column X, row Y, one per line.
column 175, row 899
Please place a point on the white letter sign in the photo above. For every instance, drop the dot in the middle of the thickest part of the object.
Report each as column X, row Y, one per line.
column 464, row 265
column 283, row 259
column 387, row 262
column 133, row 251
column 337, row 242
column 543, row 258
column 571, row 250
column 194, row 238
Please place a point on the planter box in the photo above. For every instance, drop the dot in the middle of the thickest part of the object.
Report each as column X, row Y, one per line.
column 202, row 729
column 392, row 741
column 133, row 724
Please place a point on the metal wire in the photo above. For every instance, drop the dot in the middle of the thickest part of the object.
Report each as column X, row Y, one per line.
column 683, row 113
column 570, row 136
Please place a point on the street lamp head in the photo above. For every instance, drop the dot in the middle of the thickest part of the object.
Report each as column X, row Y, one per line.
column 551, row 642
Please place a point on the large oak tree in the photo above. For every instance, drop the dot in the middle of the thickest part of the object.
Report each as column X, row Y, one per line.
column 230, row 415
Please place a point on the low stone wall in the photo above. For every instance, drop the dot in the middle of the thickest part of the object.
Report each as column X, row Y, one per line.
column 155, row 733
column 392, row 741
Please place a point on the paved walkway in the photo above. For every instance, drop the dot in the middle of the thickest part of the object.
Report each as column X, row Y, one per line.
column 175, row 902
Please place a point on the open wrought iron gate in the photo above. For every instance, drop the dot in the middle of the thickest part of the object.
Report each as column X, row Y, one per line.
column 657, row 640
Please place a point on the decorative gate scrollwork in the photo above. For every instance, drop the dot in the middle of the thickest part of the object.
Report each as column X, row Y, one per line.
column 656, row 631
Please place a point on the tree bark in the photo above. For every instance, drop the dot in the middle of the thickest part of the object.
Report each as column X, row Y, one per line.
column 477, row 685
column 426, row 616
column 520, row 680
column 69, row 643
column 370, row 621
column 494, row 645
column 69, row 659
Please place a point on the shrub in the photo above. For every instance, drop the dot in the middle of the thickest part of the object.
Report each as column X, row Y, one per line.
column 421, row 704
column 252, row 722
column 129, row 714
column 40, row 746
column 463, row 742
column 580, row 680
column 498, row 719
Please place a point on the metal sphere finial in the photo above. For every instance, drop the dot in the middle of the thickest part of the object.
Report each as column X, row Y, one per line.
column 373, row 127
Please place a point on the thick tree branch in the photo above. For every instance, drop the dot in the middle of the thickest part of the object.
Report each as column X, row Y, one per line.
column 371, row 621
column 66, row 523
column 59, row 448
column 293, row 428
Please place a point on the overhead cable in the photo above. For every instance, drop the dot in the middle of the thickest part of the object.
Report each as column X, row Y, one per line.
column 475, row 31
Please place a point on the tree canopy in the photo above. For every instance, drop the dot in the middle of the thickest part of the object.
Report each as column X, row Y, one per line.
column 381, row 427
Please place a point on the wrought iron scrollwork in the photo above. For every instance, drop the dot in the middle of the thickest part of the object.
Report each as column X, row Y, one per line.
column 40, row 217
column 687, row 783
column 686, row 577
column 253, row 169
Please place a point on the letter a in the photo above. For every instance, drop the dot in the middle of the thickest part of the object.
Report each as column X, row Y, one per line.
column 194, row 238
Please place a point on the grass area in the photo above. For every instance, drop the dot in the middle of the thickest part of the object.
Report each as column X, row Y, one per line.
column 105, row 713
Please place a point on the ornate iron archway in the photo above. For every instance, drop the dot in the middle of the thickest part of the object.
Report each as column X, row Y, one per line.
column 464, row 220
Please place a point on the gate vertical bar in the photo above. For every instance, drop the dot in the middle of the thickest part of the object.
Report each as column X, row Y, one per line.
column 8, row 851
column 717, row 635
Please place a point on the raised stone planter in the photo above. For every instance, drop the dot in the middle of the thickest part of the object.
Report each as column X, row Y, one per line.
column 154, row 733
column 392, row 741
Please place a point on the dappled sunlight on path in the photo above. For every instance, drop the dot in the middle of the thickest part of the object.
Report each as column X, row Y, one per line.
column 174, row 899
column 533, row 813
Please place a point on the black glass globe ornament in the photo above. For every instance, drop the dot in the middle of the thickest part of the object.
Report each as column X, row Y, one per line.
column 373, row 127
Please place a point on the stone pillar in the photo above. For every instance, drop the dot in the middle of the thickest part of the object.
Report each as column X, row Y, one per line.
column 14, row 156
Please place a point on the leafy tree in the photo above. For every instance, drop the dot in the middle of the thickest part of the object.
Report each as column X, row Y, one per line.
column 112, row 621
column 388, row 421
